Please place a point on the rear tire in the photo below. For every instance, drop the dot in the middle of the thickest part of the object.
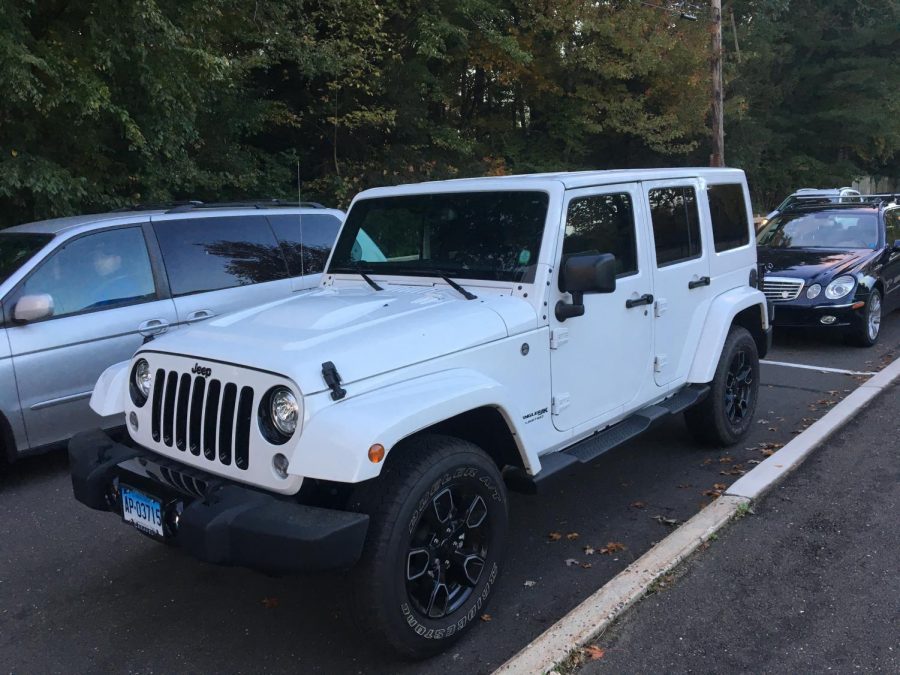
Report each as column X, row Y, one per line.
column 435, row 545
column 867, row 334
column 725, row 415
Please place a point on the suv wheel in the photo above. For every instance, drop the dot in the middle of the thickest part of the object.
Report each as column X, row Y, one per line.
column 867, row 334
column 724, row 417
column 435, row 544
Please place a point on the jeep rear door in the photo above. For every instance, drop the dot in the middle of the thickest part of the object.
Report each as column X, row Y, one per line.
column 681, row 274
column 600, row 361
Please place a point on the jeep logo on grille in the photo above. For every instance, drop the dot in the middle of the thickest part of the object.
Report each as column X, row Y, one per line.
column 201, row 371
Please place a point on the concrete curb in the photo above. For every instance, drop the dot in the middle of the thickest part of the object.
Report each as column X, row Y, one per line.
column 599, row 610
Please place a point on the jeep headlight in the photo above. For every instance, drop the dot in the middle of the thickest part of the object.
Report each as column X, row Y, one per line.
column 279, row 414
column 840, row 287
column 141, row 382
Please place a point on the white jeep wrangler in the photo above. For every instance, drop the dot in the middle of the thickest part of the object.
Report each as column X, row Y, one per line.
column 469, row 337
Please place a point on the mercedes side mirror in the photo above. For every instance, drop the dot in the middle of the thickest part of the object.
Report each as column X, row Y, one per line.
column 897, row 245
column 585, row 273
column 33, row 307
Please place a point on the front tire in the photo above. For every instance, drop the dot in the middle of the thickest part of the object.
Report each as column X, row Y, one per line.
column 867, row 334
column 435, row 545
column 725, row 415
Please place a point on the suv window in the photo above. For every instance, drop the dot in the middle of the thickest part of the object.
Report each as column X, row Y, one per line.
column 676, row 224
column 728, row 213
column 209, row 254
column 306, row 240
column 603, row 224
column 96, row 271
column 892, row 226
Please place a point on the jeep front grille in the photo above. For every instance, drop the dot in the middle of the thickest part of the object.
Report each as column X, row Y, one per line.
column 198, row 415
column 782, row 289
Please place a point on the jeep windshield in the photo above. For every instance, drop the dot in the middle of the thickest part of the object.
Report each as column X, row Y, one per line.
column 821, row 229
column 468, row 235
column 17, row 248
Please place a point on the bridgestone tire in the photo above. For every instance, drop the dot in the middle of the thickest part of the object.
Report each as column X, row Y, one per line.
column 713, row 420
column 413, row 592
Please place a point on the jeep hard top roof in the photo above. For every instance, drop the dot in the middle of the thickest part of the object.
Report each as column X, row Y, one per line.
column 569, row 180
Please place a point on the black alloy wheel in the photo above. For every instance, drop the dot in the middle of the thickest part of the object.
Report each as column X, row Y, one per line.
column 447, row 550
column 435, row 546
column 724, row 417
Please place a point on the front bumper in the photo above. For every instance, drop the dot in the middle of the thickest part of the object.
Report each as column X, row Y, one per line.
column 846, row 315
column 216, row 520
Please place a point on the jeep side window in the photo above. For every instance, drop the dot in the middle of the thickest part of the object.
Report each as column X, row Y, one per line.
column 209, row 254
column 603, row 224
column 728, row 213
column 318, row 232
column 676, row 224
column 97, row 271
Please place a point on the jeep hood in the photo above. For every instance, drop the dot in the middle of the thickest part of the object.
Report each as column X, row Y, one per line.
column 363, row 332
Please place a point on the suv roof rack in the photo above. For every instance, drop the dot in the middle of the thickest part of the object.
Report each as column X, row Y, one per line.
column 188, row 205
column 848, row 202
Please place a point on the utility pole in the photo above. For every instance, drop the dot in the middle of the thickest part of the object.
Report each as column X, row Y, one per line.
column 717, row 158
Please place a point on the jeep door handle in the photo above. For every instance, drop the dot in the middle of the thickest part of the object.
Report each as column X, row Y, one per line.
column 199, row 315
column 153, row 327
column 697, row 283
column 645, row 299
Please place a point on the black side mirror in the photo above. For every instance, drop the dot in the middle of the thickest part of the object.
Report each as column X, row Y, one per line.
column 586, row 273
column 897, row 245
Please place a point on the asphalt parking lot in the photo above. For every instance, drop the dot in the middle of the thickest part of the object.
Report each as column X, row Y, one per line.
column 80, row 592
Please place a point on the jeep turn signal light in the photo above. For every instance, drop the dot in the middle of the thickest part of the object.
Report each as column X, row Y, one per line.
column 376, row 453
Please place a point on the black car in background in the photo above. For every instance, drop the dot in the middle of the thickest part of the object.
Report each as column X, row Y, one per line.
column 833, row 265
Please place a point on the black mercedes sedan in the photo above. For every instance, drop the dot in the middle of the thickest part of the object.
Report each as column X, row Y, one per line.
column 833, row 266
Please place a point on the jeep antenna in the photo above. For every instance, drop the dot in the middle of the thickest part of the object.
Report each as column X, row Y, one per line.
column 300, row 221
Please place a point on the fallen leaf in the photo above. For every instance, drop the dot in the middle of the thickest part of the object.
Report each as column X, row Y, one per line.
column 725, row 460
column 586, row 566
column 752, row 461
column 685, row 486
column 639, row 505
column 529, row 584
column 589, row 550
column 486, row 617
column 594, row 653
column 767, row 453
column 612, row 547
column 720, row 486
column 665, row 521
column 571, row 562
column 712, row 493
column 772, row 429
column 554, row 536
column 707, row 461
column 270, row 603
column 572, row 536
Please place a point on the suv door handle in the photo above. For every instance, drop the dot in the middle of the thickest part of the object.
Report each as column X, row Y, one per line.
column 153, row 327
column 199, row 315
column 697, row 283
column 645, row 299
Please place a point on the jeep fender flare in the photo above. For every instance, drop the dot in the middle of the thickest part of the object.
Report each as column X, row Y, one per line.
column 719, row 319
column 108, row 397
column 330, row 449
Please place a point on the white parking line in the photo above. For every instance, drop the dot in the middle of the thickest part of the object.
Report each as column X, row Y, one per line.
column 822, row 369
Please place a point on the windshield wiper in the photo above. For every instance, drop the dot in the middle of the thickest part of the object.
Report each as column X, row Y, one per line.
column 441, row 274
column 368, row 279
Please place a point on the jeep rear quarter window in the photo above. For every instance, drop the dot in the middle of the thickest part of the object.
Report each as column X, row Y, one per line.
column 471, row 235
column 209, row 254
column 306, row 239
column 676, row 224
column 728, row 213
column 603, row 224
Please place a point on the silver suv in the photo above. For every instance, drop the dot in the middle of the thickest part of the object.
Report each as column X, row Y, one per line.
column 79, row 294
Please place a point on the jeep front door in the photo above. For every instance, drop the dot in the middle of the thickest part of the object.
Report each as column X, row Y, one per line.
column 681, row 276
column 601, row 360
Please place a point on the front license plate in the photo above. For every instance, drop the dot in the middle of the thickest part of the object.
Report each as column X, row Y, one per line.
column 142, row 511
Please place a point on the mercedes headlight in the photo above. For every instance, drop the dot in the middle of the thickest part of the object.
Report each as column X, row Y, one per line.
column 279, row 414
column 141, row 382
column 840, row 287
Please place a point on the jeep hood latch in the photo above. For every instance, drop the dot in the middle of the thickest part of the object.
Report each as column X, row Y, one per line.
column 333, row 380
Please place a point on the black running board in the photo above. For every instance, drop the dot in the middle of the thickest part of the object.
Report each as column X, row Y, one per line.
column 589, row 449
